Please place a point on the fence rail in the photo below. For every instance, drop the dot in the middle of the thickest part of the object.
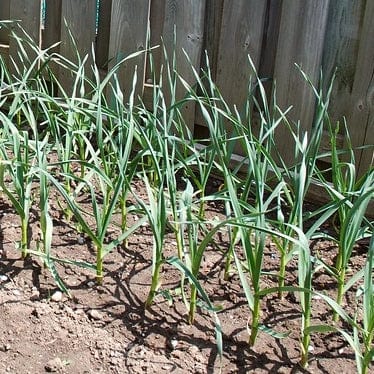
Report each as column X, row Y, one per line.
column 327, row 34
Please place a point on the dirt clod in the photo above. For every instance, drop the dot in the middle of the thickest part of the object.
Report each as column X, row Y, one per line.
column 54, row 365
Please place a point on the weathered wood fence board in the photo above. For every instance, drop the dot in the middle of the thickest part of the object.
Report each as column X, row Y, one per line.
column 76, row 14
column 361, row 111
column 328, row 34
column 309, row 19
column 52, row 25
column 4, row 14
column 240, row 35
column 103, row 33
column 128, row 34
column 184, row 22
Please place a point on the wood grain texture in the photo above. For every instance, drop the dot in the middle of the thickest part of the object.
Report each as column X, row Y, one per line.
column 4, row 15
column 52, row 28
column 300, row 41
column 361, row 118
column 28, row 13
column 83, row 29
column 212, row 34
column 341, row 46
column 156, row 20
column 241, row 35
column 128, row 34
column 270, row 43
column 103, row 34
column 184, row 20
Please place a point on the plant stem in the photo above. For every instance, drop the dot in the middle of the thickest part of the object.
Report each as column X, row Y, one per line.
column 304, row 351
column 305, row 325
column 24, row 236
column 229, row 257
column 123, row 220
column 228, row 262
column 99, row 264
column 191, row 315
column 339, row 297
column 282, row 274
column 255, row 320
column 179, row 240
column 202, row 207
column 154, row 285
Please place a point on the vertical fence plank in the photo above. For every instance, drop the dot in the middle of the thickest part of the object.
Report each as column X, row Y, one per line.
column 301, row 37
column 340, row 52
column 52, row 27
column 212, row 33
column 103, row 33
column 128, row 34
column 241, row 35
column 188, row 17
column 28, row 12
column 83, row 29
column 269, row 44
column 4, row 32
column 343, row 30
column 4, row 15
column 156, row 22
column 361, row 119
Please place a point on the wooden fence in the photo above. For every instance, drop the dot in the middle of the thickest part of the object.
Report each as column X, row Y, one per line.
column 315, row 34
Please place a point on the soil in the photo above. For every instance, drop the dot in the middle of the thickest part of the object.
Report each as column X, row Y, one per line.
column 105, row 329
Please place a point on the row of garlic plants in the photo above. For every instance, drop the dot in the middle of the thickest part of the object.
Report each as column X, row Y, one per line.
column 89, row 141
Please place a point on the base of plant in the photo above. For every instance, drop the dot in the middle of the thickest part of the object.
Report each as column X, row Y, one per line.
column 99, row 279
column 150, row 299
column 304, row 361
column 192, row 311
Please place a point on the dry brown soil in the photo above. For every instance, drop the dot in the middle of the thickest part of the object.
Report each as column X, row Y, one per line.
column 105, row 329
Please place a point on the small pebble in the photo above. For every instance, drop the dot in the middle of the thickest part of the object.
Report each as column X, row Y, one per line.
column 5, row 348
column 57, row 296
column 80, row 240
column 193, row 350
column 173, row 343
column 94, row 314
column 35, row 295
column 3, row 278
column 54, row 365
column 91, row 284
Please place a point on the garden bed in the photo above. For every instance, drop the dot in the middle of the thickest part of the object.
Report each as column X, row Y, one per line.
column 122, row 252
column 106, row 328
